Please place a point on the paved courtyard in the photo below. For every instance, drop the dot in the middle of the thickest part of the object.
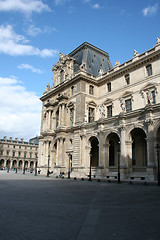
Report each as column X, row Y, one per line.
column 41, row 208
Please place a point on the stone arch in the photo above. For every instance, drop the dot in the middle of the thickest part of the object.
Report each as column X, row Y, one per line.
column 8, row 163
column 20, row 164
column 32, row 165
column 14, row 164
column 94, row 151
column 112, row 149
column 139, row 147
column 1, row 163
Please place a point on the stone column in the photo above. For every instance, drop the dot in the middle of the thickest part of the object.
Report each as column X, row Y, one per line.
column 101, row 150
column 60, row 151
column 150, row 146
column 123, row 163
column 60, row 115
column 58, row 147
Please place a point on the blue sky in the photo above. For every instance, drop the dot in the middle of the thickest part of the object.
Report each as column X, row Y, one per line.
column 34, row 32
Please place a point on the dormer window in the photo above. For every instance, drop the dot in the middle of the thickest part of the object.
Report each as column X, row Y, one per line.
column 149, row 70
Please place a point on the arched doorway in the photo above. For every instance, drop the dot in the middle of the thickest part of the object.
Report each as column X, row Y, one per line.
column 20, row 164
column 94, row 153
column 2, row 164
column 113, row 143
column 31, row 164
column 8, row 163
column 14, row 164
column 139, row 148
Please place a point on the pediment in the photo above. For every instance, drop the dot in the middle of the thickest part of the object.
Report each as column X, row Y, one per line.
column 70, row 104
column 108, row 101
column 149, row 86
column 92, row 103
column 126, row 94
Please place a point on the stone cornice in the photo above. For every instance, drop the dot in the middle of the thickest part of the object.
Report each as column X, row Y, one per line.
column 130, row 65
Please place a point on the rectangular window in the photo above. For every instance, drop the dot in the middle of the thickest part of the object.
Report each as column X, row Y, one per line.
column 109, row 111
column 149, row 70
column 109, row 87
column 153, row 97
column 7, row 153
column 13, row 154
column 91, row 89
column 128, row 104
column 72, row 90
column 127, row 79
column 19, row 154
column 91, row 115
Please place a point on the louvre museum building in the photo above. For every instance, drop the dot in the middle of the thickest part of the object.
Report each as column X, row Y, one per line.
column 98, row 119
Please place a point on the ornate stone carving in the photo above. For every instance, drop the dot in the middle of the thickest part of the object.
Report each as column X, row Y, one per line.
column 47, row 88
column 102, row 111
column 135, row 53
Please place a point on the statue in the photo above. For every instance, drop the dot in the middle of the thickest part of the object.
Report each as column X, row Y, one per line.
column 101, row 72
column 47, row 88
column 158, row 41
column 102, row 111
column 117, row 64
column 135, row 53
column 85, row 117
column 123, row 107
column 149, row 97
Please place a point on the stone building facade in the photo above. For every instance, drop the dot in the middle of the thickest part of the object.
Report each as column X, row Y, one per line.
column 18, row 154
column 102, row 118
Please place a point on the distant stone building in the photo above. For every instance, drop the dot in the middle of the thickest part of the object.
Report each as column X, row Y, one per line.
column 102, row 118
column 18, row 154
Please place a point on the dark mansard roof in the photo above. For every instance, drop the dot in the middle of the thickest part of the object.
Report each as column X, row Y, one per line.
column 95, row 59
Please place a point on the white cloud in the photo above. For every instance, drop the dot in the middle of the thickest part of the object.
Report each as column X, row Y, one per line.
column 34, row 31
column 25, row 6
column 15, row 45
column 20, row 110
column 29, row 67
column 150, row 10
column 60, row 2
column 96, row 6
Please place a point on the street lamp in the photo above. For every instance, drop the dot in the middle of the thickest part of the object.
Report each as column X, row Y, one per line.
column 24, row 167
column 8, row 166
column 35, row 168
column 69, row 167
column 48, row 166
column 158, row 175
column 119, row 180
column 90, row 170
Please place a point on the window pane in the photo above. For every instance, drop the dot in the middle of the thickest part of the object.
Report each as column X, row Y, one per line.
column 149, row 70
column 153, row 97
column 109, row 111
column 128, row 104
column 109, row 87
column 127, row 78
